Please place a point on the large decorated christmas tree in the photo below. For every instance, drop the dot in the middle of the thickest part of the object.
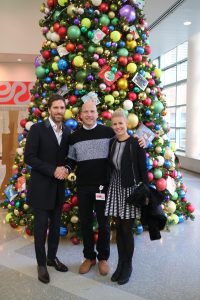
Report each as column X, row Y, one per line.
column 101, row 50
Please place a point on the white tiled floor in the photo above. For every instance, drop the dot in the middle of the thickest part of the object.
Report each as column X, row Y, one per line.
column 164, row 269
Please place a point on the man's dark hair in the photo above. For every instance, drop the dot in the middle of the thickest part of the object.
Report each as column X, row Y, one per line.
column 55, row 97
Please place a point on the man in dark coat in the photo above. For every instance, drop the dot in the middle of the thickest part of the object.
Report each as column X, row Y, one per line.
column 46, row 151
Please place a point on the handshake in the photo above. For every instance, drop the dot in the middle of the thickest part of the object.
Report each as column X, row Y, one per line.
column 61, row 173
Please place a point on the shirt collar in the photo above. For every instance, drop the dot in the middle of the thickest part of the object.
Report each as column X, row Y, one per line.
column 86, row 128
column 53, row 124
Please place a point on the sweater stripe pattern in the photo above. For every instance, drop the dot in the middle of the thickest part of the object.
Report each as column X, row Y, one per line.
column 89, row 152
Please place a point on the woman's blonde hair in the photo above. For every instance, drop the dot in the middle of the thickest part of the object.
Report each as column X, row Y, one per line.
column 119, row 113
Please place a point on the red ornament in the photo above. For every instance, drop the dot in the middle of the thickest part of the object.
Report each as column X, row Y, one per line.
column 96, row 236
column 150, row 176
column 151, row 82
column 105, row 29
column 70, row 47
column 80, row 47
column 66, row 207
column 50, row 3
column 52, row 85
column 23, row 123
column 147, row 50
column 75, row 240
column 37, row 112
column 113, row 87
column 56, row 26
column 132, row 96
column 46, row 54
column 13, row 224
column 72, row 99
column 104, row 7
column 62, row 31
column 29, row 231
column 123, row 60
column 161, row 184
column 147, row 102
column 190, row 208
column 137, row 58
column 106, row 115
column 102, row 61
column 74, row 200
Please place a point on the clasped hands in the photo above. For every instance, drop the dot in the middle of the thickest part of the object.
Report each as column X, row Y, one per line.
column 61, row 173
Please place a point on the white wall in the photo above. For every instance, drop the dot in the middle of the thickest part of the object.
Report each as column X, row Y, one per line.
column 17, row 72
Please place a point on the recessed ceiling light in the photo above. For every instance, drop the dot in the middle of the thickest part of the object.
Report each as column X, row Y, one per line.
column 187, row 23
column 19, row 59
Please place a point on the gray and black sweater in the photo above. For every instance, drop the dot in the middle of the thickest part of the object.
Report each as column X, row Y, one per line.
column 89, row 152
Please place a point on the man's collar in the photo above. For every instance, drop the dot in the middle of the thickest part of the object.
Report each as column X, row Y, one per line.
column 87, row 128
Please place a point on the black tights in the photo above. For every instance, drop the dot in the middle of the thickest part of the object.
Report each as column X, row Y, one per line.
column 125, row 238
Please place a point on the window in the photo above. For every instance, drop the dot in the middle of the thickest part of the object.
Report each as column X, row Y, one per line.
column 174, row 79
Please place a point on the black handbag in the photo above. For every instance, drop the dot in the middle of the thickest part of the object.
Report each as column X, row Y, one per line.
column 140, row 192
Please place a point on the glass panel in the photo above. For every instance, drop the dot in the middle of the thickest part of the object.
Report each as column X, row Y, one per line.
column 181, row 116
column 168, row 58
column 156, row 62
column 171, row 116
column 170, row 93
column 182, row 51
column 182, row 71
column 169, row 76
column 182, row 139
column 181, row 93
column 172, row 135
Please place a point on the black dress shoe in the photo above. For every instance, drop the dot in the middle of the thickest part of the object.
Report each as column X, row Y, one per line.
column 43, row 274
column 57, row 264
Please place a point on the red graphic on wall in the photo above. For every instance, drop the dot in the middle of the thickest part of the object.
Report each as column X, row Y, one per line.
column 15, row 92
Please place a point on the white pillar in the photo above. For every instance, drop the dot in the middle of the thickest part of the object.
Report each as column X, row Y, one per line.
column 193, row 98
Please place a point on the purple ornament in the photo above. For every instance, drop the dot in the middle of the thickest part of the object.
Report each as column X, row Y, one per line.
column 90, row 77
column 37, row 62
column 128, row 12
column 77, row 22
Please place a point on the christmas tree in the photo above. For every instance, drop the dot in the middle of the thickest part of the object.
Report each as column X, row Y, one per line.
column 101, row 50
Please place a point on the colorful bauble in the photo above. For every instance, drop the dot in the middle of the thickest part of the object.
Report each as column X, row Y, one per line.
column 128, row 12
column 73, row 32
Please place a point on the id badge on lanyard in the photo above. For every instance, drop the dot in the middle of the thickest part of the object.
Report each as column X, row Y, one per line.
column 100, row 196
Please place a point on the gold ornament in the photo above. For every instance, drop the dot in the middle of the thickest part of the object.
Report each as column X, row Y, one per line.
column 122, row 84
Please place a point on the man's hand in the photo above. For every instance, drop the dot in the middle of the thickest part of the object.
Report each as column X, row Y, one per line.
column 141, row 141
column 61, row 173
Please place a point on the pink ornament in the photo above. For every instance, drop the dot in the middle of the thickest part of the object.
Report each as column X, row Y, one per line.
column 161, row 184
column 150, row 176
column 190, row 208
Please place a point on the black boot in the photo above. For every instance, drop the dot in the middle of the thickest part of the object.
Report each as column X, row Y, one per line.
column 125, row 273
column 116, row 274
column 120, row 249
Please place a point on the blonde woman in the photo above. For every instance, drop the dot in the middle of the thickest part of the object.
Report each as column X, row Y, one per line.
column 124, row 155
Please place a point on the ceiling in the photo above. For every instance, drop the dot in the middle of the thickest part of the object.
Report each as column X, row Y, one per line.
column 22, row 37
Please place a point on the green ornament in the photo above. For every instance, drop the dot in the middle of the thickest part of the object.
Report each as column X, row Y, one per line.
column 17, row 204
column 56, row 15
column 175, row 196
column 157, row 106
column 91, row 49
column 90, row 35
column 122, row 94
column 157, row 173
column 115, row 21
column 83, row 29
column 113, row 7
column 136, row 89
column 80, row 76
column 63, row 23
column 73, row 32
column 40, row 72
column 114, row 70
column 104, row 20
column 123, row 52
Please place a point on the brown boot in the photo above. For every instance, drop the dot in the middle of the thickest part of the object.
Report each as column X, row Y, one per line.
column 103, row 267
column 86, row 265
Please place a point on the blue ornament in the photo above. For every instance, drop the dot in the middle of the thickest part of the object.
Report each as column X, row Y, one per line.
column 149, row 163
column 111, row 27
column 90, row 11
column 181, row 219
column 20, row 137
column 108, row 44
column 157, row 116
column 144, row 36
column 54, row 52
column 130, row 132
column 62, row 64
column 67, row 193
column 182, row 193
column 167, row 164
column 71, row 123
column 48, row 80
column 122, row 44
column 157, row 127
column 139, row 50
column 139, row 229
column 142, row 72
column 148, row 112
column 63, row 231
column 76, row 92
column 150, row 145
column 99, row 122
column 44, row 95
